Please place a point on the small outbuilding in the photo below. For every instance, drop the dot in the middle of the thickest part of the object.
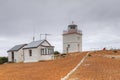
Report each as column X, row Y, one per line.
column 38, row 50
column 15, row 54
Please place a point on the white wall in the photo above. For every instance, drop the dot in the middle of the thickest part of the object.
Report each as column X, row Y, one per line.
column 18, row 56
column 33, row 58
column 73, row 40
column 45, row 43
column 9, row 57
column 36, row 54
column 46, row 57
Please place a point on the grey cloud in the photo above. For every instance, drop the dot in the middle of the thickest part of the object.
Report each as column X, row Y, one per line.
column 98, row 19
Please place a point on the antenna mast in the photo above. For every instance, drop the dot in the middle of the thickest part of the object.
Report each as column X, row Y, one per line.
column 33, row 33
column 44, row 35
column 72, row 22
column 41, row 36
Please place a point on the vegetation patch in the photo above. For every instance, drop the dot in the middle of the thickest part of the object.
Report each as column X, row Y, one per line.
column 115, row 51
column 89, row 55
column 63, row 55
column 56, row 53
column 3, row 60
column 113, row 57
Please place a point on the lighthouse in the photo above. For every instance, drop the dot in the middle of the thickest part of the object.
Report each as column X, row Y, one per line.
column 72, row 39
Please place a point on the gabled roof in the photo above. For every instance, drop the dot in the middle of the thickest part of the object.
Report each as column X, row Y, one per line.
column 17, row 47
column 35, row 44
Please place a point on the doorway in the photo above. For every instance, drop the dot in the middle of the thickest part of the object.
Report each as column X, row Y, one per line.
column 12, row 55
column 78, row 47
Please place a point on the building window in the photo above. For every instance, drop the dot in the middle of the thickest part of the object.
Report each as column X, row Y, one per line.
column 45, row 51
column 49, row 51
column 72, row 27
column 42, row 51
column 30, row 52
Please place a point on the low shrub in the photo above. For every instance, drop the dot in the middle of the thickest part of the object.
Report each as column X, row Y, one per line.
column 113, row 57
column 115, row 51
column 3, row 60
column 63, row 55
column 56, row 53
column 89, row 55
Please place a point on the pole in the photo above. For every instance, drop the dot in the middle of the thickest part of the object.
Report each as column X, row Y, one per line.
column 41, row 36
column 46, row 36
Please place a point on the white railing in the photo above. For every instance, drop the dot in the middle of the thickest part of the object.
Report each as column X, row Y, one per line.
column 72, row 31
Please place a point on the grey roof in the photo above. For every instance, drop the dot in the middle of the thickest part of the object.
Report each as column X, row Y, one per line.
column 17, row 47
column 34, row 44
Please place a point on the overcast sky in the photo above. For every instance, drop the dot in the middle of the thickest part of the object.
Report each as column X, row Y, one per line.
column 99, row 21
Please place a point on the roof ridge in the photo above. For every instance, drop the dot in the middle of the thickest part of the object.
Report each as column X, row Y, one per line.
column 34, row 44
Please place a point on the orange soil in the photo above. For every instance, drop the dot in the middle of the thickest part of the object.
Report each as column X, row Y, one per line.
column 48, row 70
column 99, row 67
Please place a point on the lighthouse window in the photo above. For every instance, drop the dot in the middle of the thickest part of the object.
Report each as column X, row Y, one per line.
column 68, row 45
column 72, row 27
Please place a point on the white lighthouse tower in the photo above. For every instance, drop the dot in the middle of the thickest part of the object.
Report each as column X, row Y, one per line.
column 72, row 39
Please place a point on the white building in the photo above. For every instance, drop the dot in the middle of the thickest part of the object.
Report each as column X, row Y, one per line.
column 32, row 52
column 72, row 39
column 38, row 50
column 15, row 54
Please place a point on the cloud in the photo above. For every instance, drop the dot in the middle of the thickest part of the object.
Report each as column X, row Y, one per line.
column 21, row 19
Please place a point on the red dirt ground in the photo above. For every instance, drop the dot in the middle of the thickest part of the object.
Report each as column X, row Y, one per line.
column 99, row 67
column 46, row 70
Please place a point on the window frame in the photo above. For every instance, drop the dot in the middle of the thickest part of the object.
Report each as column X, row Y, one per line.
column 30, row 52
column 42, row 50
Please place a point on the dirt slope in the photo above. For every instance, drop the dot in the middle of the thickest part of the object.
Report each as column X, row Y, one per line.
column 100, row 65
column 48, row 70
